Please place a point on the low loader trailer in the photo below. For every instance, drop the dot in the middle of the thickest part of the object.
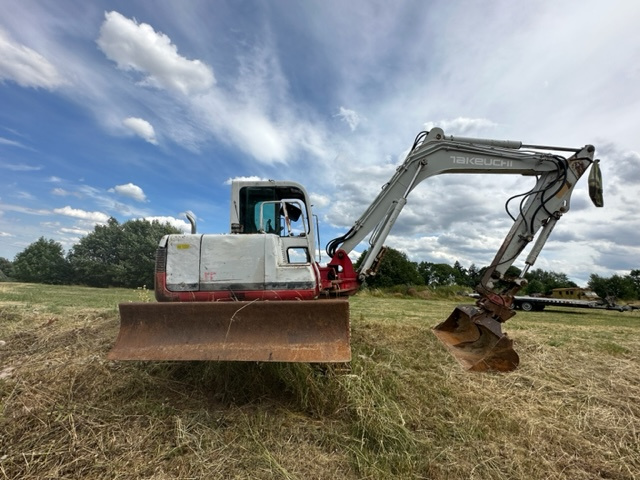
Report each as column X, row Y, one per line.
column 537, row 304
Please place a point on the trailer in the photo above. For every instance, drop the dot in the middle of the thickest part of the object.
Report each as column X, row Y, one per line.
column 537, row 304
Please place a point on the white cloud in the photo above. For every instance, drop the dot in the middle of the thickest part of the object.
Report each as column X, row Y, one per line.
column 24, row 195
column 5, row 234
column 130, row 190
column 138, row 47
column 107, row 202
column 23, row 209
column 74, row 231
column 12, row 143
column 173, row 221
column 461, row 125
column 252, row 110
column 20, row 167
column 252, row 178
column 142, row 128
column 319, row 200
column 25, row 66
column 350, row 117
column 97, row 217
column 60, row 192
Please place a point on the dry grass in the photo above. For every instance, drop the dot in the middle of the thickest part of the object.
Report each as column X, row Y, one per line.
column 403, row 410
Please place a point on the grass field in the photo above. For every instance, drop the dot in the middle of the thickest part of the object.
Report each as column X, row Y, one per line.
column 404, row 408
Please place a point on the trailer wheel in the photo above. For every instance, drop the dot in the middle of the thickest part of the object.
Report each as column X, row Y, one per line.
column 526, row 306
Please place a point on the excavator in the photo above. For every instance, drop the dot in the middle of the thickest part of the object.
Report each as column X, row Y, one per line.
column 258, row 294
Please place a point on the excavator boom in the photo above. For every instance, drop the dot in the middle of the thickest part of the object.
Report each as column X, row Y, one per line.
column 473, row 333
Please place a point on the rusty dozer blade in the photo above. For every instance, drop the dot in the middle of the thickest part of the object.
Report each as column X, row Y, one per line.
column 476, row 340
column 278, row 331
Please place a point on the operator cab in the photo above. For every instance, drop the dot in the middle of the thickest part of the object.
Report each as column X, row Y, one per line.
column 276, row 208
column 271, row 208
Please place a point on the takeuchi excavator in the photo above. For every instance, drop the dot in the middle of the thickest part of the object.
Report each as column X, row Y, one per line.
column 258, row 294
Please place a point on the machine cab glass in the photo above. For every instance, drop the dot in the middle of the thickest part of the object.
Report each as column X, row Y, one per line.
column 275, row 210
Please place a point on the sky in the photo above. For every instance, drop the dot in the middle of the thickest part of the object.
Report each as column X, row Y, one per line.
column 139, row 109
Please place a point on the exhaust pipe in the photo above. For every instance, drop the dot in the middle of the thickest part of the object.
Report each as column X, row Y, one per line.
column 192, row 220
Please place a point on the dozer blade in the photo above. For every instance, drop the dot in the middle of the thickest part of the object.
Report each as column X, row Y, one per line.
column 278, row 331
column 476, row 340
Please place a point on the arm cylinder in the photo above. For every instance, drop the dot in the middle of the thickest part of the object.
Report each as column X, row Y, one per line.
column 484, row 141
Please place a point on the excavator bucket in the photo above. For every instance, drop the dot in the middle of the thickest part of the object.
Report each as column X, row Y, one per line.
column 277, row 331
column 476, row 340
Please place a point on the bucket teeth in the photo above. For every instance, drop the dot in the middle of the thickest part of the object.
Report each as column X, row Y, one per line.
column 476, row 340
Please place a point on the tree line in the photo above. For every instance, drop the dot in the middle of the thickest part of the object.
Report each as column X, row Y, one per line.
column 123, row 255
column 397, row 269
column 113, row 255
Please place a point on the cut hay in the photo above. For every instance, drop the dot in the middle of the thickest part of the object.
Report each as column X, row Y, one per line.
column 403, row 408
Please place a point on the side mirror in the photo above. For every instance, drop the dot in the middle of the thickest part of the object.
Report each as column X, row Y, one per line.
column 595, row 184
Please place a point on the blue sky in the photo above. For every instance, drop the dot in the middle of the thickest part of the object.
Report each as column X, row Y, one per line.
column 147, row 109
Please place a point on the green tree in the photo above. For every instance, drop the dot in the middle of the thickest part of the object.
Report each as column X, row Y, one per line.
column 620, row 287
column 438, row 274
column 511, row 273
column 634, row 275
column 6, row 269
column 395, row 269
column 461, row 273
column 41, row 262
column 534, row 286
column 117, row 254
column 548, row 280
column 598, row 284
column 95, row 259
column 473, row 276
column 137, row 251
